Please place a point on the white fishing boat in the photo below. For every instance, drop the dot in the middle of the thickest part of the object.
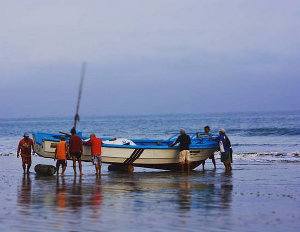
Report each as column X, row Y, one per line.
column 148, row 153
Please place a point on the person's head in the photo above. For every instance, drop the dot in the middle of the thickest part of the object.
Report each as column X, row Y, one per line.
column 206, row 129
column 26, row 135
column 73, row 131
column 182, row 131
column 222, row 131
column 92, row 135
column 62, row 138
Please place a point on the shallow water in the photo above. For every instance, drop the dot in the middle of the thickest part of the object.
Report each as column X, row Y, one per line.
column 261, row 194
column 255, row 197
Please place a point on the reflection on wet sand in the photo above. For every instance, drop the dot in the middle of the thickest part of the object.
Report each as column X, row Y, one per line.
column 96, row 198
column 180, row 191
column 226, row 189
column 61, row 193
column 198, row 190
column 75, row 196
column 205, row 194
column 184, row 194
column 24, row 194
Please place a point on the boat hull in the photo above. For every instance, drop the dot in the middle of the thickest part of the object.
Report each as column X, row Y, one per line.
column 157, row 158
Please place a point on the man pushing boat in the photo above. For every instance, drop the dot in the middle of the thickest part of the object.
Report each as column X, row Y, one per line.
column 61, row 152
column 76, row 149
column 225, row 150
column 96, row 144
column 184, row 141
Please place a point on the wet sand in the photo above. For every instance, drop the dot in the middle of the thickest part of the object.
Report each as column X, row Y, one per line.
column 257, row 196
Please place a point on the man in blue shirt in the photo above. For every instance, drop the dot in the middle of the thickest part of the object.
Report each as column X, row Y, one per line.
column 225, row 149
column 212, row 157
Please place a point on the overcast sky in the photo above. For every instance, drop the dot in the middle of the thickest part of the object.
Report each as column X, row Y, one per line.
column 149, row 57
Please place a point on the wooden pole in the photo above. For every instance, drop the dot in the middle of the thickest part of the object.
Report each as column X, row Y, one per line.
column 82, row 75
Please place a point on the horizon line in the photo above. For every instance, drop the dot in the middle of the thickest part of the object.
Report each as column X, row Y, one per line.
column 150, row 114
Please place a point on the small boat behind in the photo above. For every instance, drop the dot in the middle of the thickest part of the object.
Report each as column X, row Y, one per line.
column 147, row 153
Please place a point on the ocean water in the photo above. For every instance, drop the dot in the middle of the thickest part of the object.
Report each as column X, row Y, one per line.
column 271, row 135
column 261, row 194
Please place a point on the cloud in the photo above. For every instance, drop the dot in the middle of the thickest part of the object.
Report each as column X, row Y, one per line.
column 149, row 56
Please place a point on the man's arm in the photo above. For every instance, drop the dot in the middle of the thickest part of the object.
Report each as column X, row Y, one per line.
column 173, row 144
column 87, row 143
column 32, row 146
column 81, row 147
column 19, row 149
column 70, row 143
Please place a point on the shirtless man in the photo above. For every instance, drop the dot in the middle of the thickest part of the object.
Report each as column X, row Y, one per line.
column 25, row 149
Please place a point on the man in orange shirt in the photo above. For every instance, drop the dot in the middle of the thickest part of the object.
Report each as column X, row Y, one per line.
column 96, row 145
column 61, row 152
column 25, row 148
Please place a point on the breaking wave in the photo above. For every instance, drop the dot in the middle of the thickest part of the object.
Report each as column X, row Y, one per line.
column 265, row 131
column 290, row 157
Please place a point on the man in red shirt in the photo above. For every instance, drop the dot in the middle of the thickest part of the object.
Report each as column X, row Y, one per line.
column 25, row 148
column 96, row 145
column 76, row 149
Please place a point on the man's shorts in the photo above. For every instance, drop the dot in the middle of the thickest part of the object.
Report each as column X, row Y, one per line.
column 184, row 156
column 76, row 155
column 26, row 159
column 97, row 159
column 226, row 156
column 61, row 162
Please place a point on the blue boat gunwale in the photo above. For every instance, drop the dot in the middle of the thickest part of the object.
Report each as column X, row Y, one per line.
column 203, row 143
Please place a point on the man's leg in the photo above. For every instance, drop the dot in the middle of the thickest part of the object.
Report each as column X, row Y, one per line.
column 98, row 166
column 57, row 167
column 225, row 166
column 187, row 160
column 80, row 166
column 214, row 161
column 74, row 164
column 64, row 166
column 95, row 163
column 203, row 164
column 24, row 167
column 182, row 160
column 28, row 167
column 229, row 165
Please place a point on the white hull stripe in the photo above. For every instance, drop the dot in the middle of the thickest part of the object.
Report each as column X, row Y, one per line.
column 134, row 156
